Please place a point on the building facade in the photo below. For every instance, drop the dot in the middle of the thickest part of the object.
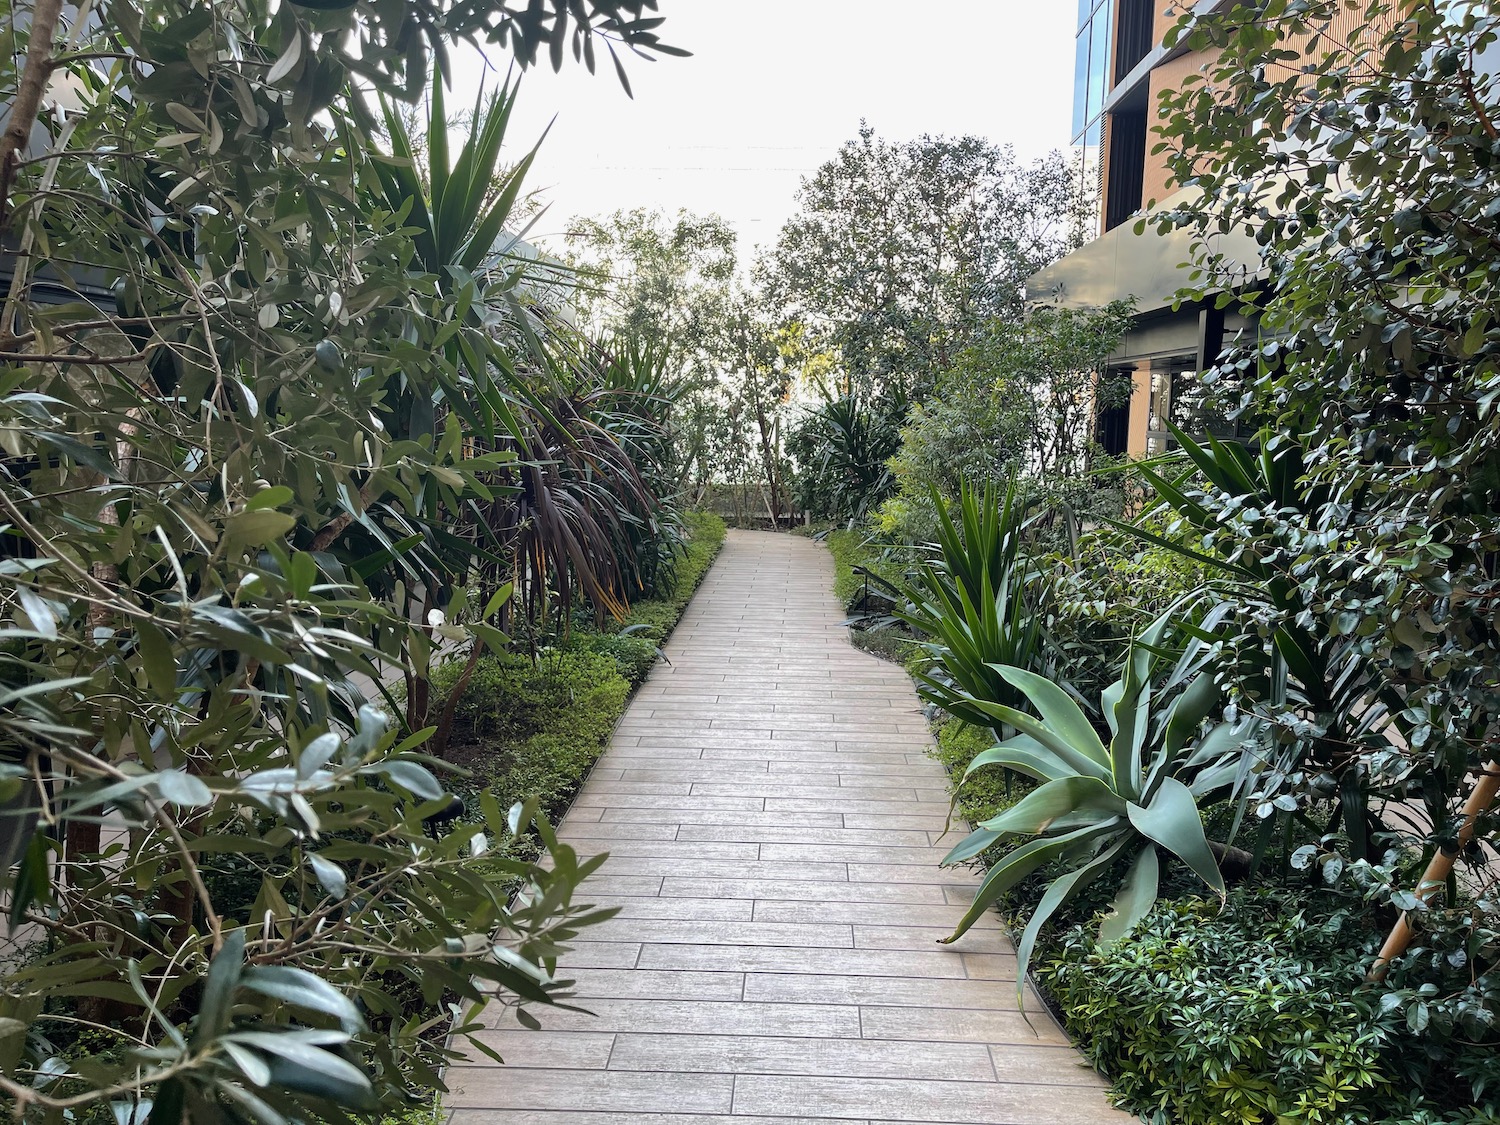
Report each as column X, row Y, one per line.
column 1122, row 66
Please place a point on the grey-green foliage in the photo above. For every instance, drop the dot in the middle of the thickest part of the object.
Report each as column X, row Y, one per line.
column 1102, row 805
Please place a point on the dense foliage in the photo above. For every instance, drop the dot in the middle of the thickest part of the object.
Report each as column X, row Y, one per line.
column 1017, row 403
column 1329, row 583
column 270, row 404
column 1370, row 182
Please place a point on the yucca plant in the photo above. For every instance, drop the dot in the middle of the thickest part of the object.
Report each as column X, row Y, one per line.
column 976, row 603
column 1100, row 804
column 854, row 444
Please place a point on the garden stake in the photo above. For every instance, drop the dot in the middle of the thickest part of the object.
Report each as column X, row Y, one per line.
column 1480, row 799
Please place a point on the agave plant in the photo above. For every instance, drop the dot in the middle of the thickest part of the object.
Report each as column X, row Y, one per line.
column 1099, row 804
column 976, row 604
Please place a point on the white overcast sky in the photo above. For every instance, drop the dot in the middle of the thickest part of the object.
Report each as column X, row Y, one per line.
column 772, row 90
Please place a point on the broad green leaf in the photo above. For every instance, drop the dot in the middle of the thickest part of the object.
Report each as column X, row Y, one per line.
column 157, row 659
column 223, row 977
column 1173, row 821
column 1136, row 896
column 1036, row 811
column 305, row 990
column 1058, row 892
column 1009, row 870
column 1058, row 711
column 1077, row 760
column 1023, row 754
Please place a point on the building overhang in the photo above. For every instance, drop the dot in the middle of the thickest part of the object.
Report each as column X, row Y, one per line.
column 1148, row 267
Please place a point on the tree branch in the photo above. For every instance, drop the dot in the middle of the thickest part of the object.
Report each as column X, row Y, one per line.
column 28, row 100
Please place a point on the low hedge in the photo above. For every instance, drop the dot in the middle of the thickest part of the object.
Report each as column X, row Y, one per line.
column 849, row 550
column 533, row 727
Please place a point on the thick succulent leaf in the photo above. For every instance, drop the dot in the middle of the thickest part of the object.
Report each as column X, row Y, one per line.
column 1136, row 896
column 1023, row 754
column 978, row 841
column 1012, row 868
column 1172, row 820
column 1213, row 779
column 1043, row 805
column 1057, row 894
column 1188, row 712
column 1220, row 740
column 1132, row 708
column 1057, row 710
column 1076, row 760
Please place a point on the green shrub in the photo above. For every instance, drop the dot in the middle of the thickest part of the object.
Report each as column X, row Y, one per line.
column 986, row 794
column 851, row 549
column 633, row 653
column 533, row 730
column 1249, row 1015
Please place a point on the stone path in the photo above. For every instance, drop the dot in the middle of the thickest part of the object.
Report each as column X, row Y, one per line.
column 773, row 824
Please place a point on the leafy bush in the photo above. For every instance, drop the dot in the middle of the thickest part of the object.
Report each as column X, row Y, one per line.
column 851, row 549
column 1249, row 1015
column 1105, row 589
column 1020, row 399
column 633, row 654
column 987, row 794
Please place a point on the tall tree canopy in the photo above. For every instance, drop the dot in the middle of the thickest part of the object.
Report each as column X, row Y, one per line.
column 899, row 252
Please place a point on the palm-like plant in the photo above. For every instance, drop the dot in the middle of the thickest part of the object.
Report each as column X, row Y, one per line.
column 1099, row 804
column 854, row 444
column 977, row 603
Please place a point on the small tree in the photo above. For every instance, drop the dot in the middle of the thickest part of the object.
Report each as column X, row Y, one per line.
column 1021, row 402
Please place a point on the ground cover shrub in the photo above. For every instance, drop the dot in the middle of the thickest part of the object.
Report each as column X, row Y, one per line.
column 850, row 549
column 530, row 728
column 987, row 794
column 1249, row 1013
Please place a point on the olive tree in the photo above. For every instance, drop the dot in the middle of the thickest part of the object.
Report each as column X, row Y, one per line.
column 238, row 413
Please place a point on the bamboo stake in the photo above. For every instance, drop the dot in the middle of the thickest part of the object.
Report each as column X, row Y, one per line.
column 1480, row 799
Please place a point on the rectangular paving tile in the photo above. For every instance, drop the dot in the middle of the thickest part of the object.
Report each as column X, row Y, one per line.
column 959, row 1103
column 704, row 1017
column 743, row 1054
column 666, row 931
column 613, row 1091
column 804, row 890
column 777, row 959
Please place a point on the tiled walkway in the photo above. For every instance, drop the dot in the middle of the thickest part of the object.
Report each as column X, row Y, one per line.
column 773, row 824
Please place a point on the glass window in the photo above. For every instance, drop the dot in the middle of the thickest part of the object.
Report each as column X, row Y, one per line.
column 1098, row 63
column 1080, row 84
column 1084, row 8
